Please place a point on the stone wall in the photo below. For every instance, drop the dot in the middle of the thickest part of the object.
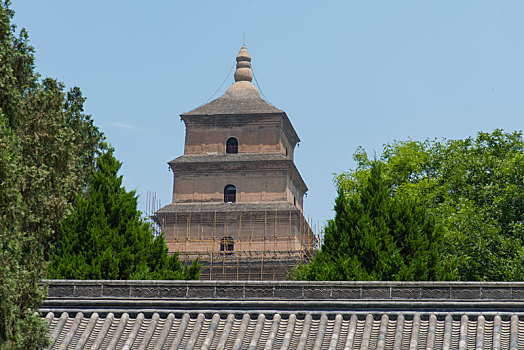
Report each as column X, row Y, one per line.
column 289, row 290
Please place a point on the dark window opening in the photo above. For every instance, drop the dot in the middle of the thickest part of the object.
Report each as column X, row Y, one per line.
column 295, row 201
column 286, row 151
column 232, row 145
column 230, row 194
column 227, row 245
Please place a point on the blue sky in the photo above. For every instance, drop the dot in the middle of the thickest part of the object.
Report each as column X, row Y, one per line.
column 348, row 73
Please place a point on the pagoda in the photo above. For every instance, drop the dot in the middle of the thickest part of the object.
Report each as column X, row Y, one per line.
column 237, row 194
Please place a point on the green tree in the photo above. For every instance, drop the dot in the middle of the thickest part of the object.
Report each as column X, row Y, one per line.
column 474, row 188
column 375, row 236
column 19, row 292
column 105, row 237
column 47, row 149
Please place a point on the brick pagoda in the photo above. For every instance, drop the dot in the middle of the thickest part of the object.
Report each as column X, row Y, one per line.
column 237, row 194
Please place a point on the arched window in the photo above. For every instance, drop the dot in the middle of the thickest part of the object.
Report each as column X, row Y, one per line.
column 227, row 245
column 232, row 145
column 230, row 194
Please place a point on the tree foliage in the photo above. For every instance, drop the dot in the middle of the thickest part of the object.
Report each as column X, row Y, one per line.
column 105, row 237
column 47, row 151
column 376, row 236
column 474, row 188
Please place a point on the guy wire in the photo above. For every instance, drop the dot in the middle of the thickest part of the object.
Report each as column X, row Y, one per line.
column 260, row 89
column 220, row 87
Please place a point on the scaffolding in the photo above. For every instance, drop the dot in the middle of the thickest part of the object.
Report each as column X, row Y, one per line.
column 152, row 205
column 241, row 245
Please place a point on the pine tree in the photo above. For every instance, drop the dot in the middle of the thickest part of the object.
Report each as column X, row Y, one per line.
column 375, row 236
column 105, row 237
column 472, row 187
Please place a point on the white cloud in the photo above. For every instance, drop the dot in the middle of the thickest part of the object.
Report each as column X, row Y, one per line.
column 123, row 125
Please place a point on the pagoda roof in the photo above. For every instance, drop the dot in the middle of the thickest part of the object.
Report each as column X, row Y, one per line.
column 228, row 157
column 227, row 207
column 241, row 98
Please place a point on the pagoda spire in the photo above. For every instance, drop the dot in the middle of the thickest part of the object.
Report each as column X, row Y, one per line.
column 243, row 72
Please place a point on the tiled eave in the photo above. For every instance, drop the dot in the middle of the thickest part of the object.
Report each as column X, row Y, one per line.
column 284, row 315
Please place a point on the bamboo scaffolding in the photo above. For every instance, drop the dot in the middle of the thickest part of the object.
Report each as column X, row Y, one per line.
column 270, row 251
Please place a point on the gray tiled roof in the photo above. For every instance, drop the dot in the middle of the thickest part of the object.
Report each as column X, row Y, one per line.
column 228, row 157
column 284, row 315
column 247, row 102
column 285, row 331
column 227, row 207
